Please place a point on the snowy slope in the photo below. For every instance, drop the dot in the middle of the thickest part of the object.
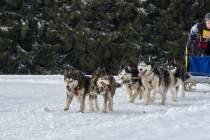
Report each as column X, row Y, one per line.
column 31, row 108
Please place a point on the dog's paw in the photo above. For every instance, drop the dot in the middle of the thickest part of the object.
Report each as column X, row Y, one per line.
column 110, row 109
column 152, row 99
column 97, row 108
column 131, row 101
column 91, row 109
column 66, row 108
column 145, row 104
column 104, row 111
column 162, row 103
column 175, row 100
column 80, row 111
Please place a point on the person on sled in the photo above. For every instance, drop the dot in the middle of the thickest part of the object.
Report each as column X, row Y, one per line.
column 200, row 33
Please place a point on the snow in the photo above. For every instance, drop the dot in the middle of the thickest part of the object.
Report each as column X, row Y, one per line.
column 31, row 108
column 19, row 48
column 3, row 28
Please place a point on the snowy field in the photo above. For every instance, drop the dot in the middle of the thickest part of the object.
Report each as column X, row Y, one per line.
column 31, row 108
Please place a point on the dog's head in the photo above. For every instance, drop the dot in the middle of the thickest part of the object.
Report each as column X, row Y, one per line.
column 99, row 73
column 101, row 80
column 145, row 66
column 71, row 79
column 104, row 83
column 125, row 74
column 171, row 65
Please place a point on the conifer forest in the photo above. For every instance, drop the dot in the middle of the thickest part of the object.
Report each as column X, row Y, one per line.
column 45, row 36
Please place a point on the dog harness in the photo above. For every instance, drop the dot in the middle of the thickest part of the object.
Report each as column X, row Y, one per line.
column 146, row 76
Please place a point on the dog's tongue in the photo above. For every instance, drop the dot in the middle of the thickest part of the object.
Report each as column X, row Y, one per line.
column 121, row 83
column 105, row 86
column 140, row 74
column 72, row 90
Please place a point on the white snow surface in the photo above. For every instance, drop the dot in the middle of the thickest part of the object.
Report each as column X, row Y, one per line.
column 31, row 108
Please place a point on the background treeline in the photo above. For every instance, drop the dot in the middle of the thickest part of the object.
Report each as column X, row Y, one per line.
column 45, row 36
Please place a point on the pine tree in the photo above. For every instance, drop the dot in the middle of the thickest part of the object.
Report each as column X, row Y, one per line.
column 43, row 37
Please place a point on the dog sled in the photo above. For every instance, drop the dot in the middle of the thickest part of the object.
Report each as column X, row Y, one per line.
column 199, row 69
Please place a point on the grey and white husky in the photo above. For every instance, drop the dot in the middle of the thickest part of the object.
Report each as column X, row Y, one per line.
column 78, row 85
column 106, row 86
column 155, row 79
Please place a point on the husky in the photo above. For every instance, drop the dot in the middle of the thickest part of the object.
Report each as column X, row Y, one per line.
column 155, row 79
column 78, row 85
column 132, row 83
column 179, row 72
column 106, row 86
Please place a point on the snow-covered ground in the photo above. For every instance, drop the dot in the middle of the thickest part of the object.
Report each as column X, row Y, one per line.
column 31, row 108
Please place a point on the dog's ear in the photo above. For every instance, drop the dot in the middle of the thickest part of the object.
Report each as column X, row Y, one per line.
column 98, row 70
column 121, row 66
column 103, row 70
column 129, row 68
column 174, row 61
column 166, row 61
column 140, row 58
column 149, row 59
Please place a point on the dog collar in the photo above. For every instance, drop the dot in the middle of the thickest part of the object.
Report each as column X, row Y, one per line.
column 145, row 76
column 149, row 76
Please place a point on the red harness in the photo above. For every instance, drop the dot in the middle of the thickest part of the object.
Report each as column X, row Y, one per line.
column 203, row 43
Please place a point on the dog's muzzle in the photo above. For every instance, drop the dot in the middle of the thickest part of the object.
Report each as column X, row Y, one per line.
column 141, row 73
column 105, row 86
column 71, row 90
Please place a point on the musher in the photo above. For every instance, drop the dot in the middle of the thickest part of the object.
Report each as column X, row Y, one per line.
column 200, row 33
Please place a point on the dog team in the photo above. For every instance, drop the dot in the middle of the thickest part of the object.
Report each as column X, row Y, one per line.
column 145, row 81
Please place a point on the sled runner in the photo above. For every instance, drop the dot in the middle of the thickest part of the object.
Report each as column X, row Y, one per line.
column 199, row 69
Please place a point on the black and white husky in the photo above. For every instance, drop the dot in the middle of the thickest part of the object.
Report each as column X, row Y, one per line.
column 179, row 72
column 155, row 79
column 133, row 85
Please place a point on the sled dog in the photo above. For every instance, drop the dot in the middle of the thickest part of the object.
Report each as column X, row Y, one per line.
column 132, row 83
column 179, row 72
column 78, row 85
column 106, row 86
column 155, row 79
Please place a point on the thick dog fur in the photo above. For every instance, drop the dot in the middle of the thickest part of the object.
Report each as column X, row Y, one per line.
column 78, row 85
column 133, row 85
column 179, row 72
column 106, row 86
column 154, row 79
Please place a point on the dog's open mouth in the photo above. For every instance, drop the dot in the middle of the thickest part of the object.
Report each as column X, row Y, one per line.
column 107, row 87
column 72, row 90
column 141, row 74
column 122, row 82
